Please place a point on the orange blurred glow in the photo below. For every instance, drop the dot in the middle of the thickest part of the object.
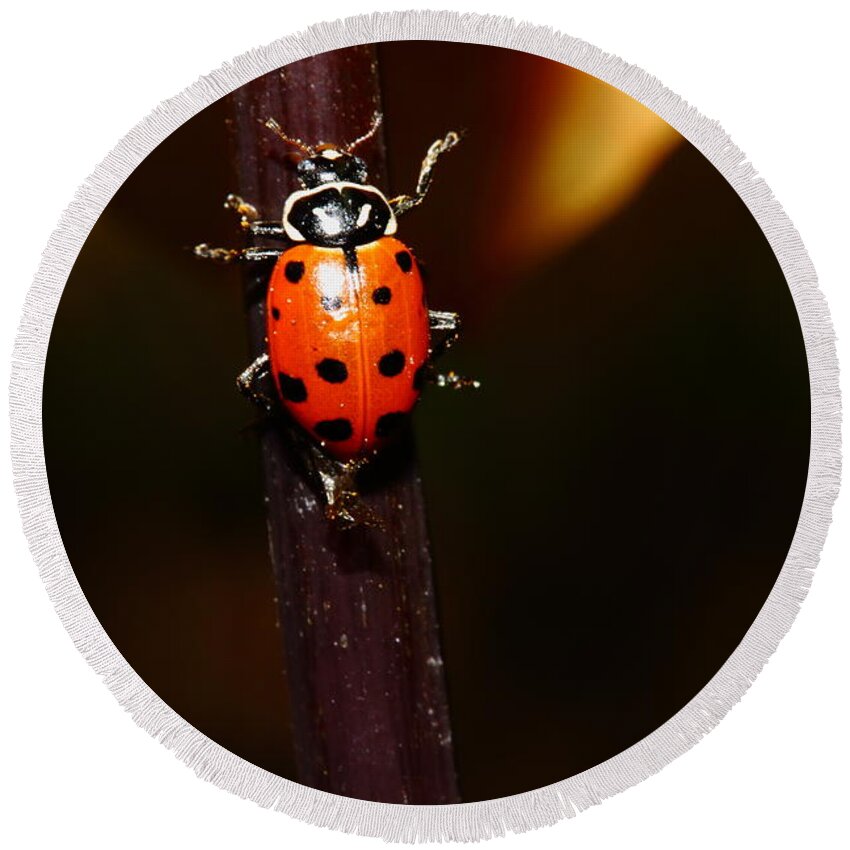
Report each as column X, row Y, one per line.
column 592, row 150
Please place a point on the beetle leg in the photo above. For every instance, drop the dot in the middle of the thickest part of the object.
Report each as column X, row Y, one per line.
column 233, row 255
column 452, row 380
column 246, row 212
column 269, row 229
column 449, row 324
column 403, row 203
column 443, row 320
column 249, row 219
column 343, row 505
column 247, row 382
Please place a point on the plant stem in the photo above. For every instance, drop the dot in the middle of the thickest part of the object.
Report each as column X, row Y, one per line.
column 356, row 608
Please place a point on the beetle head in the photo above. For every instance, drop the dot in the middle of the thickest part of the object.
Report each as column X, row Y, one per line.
column 329, row 163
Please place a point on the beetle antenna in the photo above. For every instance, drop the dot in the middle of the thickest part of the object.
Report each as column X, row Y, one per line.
column 278, row 130
column 377, row 118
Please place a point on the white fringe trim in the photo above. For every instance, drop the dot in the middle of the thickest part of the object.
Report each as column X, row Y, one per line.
column 469, row 821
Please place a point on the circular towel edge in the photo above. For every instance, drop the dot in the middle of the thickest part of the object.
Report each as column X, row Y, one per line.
column 465, row 821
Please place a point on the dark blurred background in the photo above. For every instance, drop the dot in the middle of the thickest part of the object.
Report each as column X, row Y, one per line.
column 608, row 513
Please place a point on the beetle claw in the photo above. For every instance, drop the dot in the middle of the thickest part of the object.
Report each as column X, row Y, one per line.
column 344, row 506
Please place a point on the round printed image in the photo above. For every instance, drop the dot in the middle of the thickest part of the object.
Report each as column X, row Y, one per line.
column 426, row 422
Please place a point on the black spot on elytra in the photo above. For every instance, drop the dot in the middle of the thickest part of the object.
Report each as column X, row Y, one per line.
column 331, row 303
column 275, row 313
column 404, row 260
column 419, row 378
column 391, row 364
column 332, row 371
column 382, row 295
column 389, row 424
column 334, row 430
column 292, row 389
column 294, row 271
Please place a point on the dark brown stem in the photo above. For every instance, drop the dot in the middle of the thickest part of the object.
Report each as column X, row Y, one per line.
column 356, row 607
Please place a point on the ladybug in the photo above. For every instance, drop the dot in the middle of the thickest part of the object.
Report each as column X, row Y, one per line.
column 350, row 338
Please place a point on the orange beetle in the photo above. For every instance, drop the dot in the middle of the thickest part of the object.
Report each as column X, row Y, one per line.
column 348, row 339
column 348, row 328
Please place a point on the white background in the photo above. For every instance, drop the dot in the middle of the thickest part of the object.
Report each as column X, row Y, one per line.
column 76, row 77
